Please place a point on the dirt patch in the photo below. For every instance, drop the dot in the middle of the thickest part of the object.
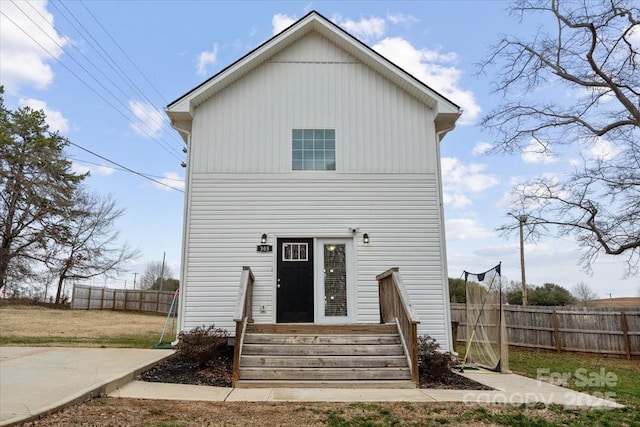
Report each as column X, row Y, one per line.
column 103, row 412
column 36, row 321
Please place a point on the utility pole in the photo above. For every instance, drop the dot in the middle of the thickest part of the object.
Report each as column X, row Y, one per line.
column 162, row 270
column 134, row 280
column 522, row 219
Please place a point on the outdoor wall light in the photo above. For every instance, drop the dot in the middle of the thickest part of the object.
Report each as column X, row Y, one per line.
column 365, row 238
column 263, row 239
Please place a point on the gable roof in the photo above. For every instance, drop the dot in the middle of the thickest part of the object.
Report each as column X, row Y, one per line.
column 180, row 110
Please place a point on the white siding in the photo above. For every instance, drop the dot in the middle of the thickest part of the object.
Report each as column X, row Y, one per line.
column 229, row 213
column 246, row 127
column 241, row 185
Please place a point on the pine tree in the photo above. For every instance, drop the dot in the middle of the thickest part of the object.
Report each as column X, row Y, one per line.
column 36, row 188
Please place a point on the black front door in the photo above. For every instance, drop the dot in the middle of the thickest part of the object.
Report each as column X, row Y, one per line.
column 294, row 283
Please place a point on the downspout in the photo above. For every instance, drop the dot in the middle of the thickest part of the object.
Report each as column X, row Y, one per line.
column 183, row 275
column 446, row 300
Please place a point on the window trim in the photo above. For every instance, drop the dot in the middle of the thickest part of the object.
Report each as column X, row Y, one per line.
column 308, row 140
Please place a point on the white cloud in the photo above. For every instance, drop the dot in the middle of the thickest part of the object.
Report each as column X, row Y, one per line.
column 171, row 179
column 575, row 162
column 54, row 119
column 206, row 58
column 82, row 168
column 148, row 120
column 457, row 201
column 433, row 68
column 22, row 60
column 509, row 200
column 602, row 149
column 537, row 152
column 280, row 21
column 401, row 18
column 459, row 180
column 481, row 148
column 366, row 28
column 465, row 229
column 539, row 189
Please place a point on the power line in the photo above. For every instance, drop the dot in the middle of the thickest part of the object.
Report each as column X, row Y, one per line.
column 124, row 170
column 124, row 53
column 164, row 146
column 108, row 59
column 124, row 167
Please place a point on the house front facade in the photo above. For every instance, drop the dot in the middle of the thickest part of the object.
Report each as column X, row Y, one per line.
column 314, row 161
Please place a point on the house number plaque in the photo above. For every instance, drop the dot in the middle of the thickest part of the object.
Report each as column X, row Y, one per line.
column 264, row 248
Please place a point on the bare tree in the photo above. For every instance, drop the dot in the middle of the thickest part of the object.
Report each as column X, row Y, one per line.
column 589, row 49
column 87, row 244
column 154, row 273
column 583, row 293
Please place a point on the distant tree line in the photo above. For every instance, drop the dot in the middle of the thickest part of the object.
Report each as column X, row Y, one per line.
column 548, row 294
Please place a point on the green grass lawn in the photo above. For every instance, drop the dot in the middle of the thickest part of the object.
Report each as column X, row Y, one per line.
column 140, row 341
column 615, row 379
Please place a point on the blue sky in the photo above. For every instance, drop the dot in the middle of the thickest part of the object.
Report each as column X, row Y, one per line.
column 104, row 71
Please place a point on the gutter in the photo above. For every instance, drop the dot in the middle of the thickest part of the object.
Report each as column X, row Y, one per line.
column 445, row 295
column 187, row 186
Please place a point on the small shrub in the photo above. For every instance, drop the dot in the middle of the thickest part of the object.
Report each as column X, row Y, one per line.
column 202, row 344
column 434, row 364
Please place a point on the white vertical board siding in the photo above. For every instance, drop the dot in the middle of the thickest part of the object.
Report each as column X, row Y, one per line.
column 230, row 212
column 246, row 127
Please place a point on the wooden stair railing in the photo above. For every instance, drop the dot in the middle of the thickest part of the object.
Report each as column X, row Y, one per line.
column 395, row 307
column 243, row 315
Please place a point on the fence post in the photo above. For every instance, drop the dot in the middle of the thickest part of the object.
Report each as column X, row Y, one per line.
column 157, row 301
column 89, row 299
column 625, row 334
column 556, row 330
column 102, row 299
column 73, row 297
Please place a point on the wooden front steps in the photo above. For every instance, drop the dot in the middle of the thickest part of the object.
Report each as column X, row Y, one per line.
column 339, row 356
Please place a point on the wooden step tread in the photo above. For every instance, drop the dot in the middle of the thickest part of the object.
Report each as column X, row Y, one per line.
column 310, row 328
column 337, row 339
column 389, row 384
column 359, row 361
column 335, row 374
column 322, row 349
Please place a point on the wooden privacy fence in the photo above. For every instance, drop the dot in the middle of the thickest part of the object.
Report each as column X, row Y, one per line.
column 574, row 329
column 94, row 298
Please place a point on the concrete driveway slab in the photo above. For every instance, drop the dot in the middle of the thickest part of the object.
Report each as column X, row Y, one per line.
column 38, row 380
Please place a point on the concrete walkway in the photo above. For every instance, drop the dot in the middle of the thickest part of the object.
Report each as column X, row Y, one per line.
column 509, row 388
column 38, row 380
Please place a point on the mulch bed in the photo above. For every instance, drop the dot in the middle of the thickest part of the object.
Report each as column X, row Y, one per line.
column 177, row 369
column 217, row 372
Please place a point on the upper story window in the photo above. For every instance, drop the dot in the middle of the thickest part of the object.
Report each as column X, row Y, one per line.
column 313, row 150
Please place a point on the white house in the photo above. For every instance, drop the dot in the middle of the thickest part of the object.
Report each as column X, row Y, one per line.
column 315, row 161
